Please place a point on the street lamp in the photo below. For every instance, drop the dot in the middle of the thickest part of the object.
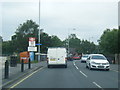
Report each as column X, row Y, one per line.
column 69, row 40
column 40, row 31
column 39, row 35
column 90, row 38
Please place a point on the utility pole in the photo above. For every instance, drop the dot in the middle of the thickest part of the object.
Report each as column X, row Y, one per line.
column 69, row 40
column 39, row 35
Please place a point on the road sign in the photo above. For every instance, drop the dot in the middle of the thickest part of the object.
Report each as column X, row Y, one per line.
column 32, row 48
column 31, row 41
column 38, row 44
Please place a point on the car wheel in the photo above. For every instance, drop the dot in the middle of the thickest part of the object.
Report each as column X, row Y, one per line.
column 65, row 66
column 48, row 66
column 107, row 69
column 90, row 67
column 86, row 66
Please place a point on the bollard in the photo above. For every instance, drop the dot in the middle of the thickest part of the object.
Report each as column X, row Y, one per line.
column 29, row 64
column 22, row 65
column 6, row 69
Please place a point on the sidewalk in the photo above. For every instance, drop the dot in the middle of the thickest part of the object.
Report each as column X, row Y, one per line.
column 114, row 67
column 15, row 72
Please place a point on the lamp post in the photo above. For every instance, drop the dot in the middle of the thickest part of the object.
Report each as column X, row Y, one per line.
column 90, row 38
column 39, row 35
column 69, row 40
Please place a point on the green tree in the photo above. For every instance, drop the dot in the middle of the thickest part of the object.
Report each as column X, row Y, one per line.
column 88, row 47
column 109, row 41
column 56, row 42
column 23, row 32
column 74, row 43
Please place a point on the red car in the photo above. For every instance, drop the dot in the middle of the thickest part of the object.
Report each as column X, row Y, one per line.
column 76, row 57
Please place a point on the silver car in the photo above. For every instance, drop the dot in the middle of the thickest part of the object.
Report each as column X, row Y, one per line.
column 97, row 61
column 84, row 58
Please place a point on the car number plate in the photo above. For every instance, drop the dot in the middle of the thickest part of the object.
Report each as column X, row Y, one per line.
column 100, row 66
column 52, row 59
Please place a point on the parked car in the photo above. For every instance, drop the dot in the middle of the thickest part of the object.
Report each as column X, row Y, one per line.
column 97, row 61
column 84, row 58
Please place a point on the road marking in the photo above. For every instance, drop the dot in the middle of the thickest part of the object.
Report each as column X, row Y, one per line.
column 76, row 67
column 74, row 64
column 83, row 74
column 80, row 71
column 25, row 78
column 97, row 85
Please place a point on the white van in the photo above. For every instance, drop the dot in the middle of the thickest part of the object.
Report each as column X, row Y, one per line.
column 56, row 56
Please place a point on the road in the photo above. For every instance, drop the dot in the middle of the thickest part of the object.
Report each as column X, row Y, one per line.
column 75, row 76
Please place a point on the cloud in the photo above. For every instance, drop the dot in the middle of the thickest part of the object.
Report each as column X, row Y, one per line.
column 57, row 17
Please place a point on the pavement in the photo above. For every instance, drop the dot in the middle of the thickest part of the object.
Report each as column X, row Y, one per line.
column 16, row 74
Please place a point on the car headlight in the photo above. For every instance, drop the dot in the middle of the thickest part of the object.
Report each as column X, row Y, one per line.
column 107, row 63
column 93, row 62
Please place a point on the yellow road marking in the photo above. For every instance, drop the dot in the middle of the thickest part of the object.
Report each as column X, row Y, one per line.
column 25, row 78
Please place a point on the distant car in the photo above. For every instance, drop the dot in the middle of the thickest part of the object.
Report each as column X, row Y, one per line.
column 84, row 58
column 97, row 61
column 76, row 57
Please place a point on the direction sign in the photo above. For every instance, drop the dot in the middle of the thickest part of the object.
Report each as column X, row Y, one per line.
column 32, row 49
column 38, row 44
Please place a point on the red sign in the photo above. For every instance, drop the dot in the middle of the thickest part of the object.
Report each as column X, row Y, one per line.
column 31, row 39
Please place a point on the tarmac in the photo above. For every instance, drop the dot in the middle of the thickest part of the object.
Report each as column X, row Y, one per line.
column 16, row 74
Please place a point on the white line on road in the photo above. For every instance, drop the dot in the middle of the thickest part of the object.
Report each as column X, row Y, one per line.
column 25, row 78
column 76, row 67
column 80, row 71
column 97, row 85
column 83, row 74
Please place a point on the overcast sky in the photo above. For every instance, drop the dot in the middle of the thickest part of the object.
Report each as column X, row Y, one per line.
column 59, row 17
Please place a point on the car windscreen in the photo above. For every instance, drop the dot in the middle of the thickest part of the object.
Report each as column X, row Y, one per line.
column 84, row 56
column 98, row 57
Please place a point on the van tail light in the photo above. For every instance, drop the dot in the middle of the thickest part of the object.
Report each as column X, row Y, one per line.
column 65, row 58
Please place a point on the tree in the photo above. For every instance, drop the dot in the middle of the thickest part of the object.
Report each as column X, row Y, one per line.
column 109, row 41
column 56, row 42
column 74, row 43
column 23, row 32
column 87, row 47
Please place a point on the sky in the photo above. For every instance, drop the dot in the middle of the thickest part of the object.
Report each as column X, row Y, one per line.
column 85, row 18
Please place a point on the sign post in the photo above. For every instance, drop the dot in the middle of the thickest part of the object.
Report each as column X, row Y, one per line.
column 32, row 44
column 31, row 48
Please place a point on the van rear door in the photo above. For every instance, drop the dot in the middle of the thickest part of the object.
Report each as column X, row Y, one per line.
column 61, row 55
column 52, row 56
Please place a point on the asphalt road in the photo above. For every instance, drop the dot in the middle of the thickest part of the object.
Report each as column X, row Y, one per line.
column 75, row 76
